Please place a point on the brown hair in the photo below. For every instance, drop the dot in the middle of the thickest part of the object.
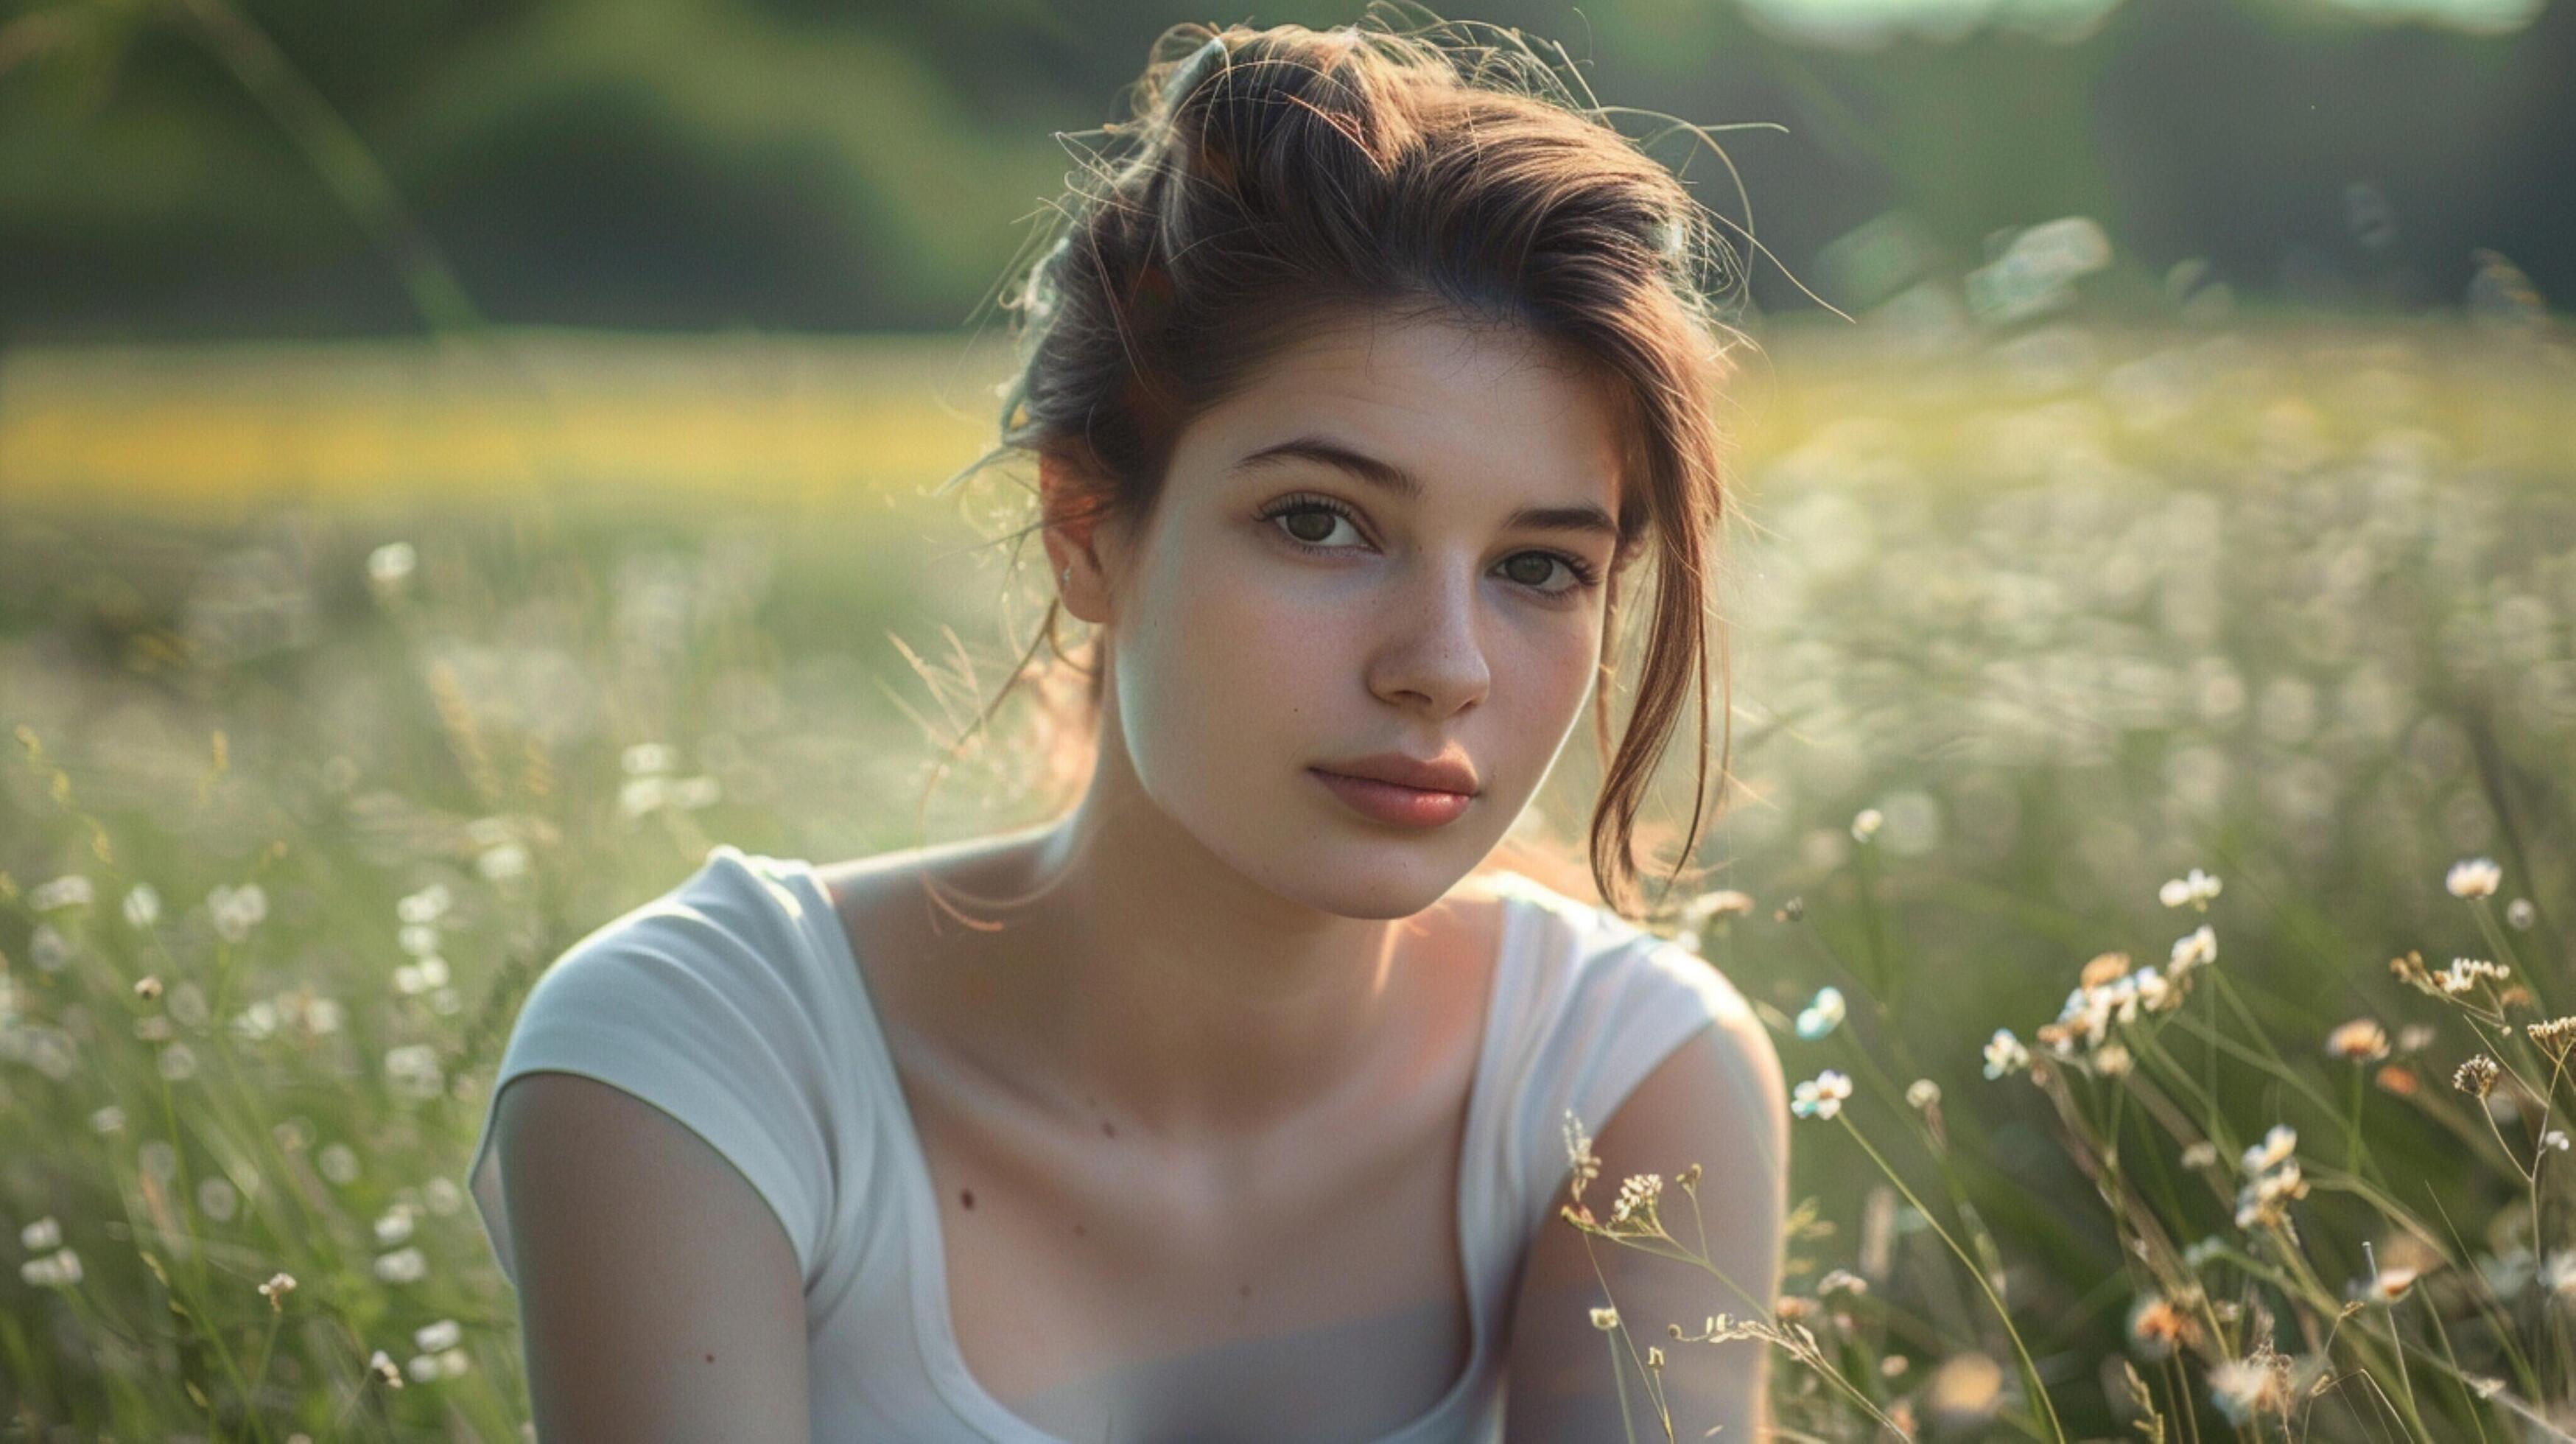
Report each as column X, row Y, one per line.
column 1272, row 179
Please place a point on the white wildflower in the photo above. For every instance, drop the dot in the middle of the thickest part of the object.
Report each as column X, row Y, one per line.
column 2155, row 992
column 1582, row 1166
column 414, row 1071
column 60, row 1270
column 2475, row 877
column 642, row 795
column 2463, row 974
column 51, row 950
column 338, row 1162
column 2557, row 1273
column 402, row 1266
column 389, row 567
column 2193, row 889
column 425, row 906
column 236, row 910
column 506, row 861
column 692, row 793
column 648, row 759
column 2361, row 1040
column 2243, row 1388
column 2277, row 1145
column 257, row 1021
column 1821, row 1096
column 1637, row 1197
column 2195, row 949
column 2266, row 1199
column 1822, row 1015
column 67, row 891
column 2005, row 1054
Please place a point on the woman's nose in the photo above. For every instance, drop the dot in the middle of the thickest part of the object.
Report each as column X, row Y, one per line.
column 1431, row 655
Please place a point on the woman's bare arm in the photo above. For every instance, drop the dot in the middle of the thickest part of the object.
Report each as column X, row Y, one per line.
column 659, row 1297
column 1719, row 1101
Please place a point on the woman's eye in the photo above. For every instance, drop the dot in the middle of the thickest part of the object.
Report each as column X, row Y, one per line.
column 1311, row 524
column 1531, row 570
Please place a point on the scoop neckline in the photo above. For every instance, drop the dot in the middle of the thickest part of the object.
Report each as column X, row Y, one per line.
column 934, row 1321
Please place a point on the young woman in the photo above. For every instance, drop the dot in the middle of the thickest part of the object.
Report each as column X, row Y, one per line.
column 1234, row 1104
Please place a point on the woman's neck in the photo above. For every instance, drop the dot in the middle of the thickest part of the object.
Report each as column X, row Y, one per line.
column 1136, row 976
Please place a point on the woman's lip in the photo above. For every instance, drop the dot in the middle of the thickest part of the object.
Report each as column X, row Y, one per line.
column 1393, row 803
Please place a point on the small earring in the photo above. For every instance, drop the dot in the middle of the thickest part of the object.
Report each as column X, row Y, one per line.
column 1065, row 576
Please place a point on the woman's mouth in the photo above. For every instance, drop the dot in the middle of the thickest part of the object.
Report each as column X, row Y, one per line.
column 1393, row 803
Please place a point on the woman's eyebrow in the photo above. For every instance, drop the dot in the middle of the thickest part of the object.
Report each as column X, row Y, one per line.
column 1387, row 476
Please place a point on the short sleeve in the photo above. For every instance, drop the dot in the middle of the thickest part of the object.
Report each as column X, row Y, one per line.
column 701, row 1004
column 1609, row 1003
column 1654, row 996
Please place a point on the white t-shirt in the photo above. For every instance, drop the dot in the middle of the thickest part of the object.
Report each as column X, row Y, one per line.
column 734, row 1004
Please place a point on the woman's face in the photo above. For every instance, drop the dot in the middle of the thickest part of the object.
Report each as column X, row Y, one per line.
column 1285, row 611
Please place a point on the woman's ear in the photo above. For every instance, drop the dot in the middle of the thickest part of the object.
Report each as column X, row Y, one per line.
column 1068, row 499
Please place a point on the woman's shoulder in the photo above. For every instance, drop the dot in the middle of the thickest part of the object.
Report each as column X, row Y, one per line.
column 1588, row 949
column 744, row 924
column 708, row 1002
column 1603, row 1001
column 1603, row 1004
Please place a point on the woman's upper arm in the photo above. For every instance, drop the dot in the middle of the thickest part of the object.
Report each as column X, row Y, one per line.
column 1717, row 1100
column 659, row 1296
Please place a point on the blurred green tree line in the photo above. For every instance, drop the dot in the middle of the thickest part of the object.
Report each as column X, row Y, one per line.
column 169, row 168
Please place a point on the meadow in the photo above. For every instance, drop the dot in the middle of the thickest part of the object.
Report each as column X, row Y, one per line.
column 2149, row 841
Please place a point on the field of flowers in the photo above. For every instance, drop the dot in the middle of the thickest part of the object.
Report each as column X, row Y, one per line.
column 2151, row 842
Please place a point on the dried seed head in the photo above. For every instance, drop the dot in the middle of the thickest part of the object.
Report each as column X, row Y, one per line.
column 2554, row 1037
column 2105, row 968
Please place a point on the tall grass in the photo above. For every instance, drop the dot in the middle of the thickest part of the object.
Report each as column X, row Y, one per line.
column 2218, row 733
column 296, row 806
